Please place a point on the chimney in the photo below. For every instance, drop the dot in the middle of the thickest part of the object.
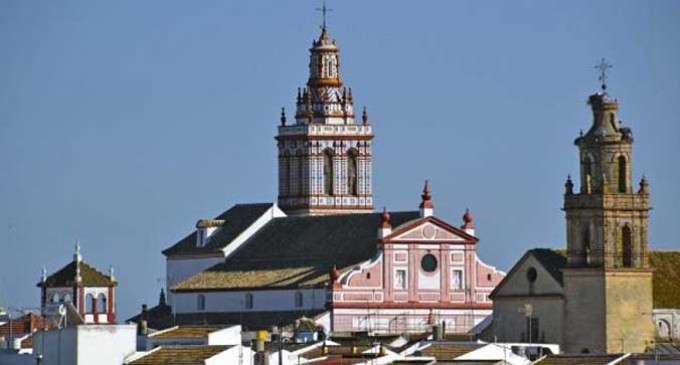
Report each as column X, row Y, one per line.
column 205, row 229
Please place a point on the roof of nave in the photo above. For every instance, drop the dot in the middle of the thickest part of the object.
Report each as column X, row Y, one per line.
column 298, row 251
column 180, row 355
column 66, row 277
column 236, row 220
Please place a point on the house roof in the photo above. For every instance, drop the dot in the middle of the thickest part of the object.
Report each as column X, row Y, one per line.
column 666, row 278
column 179, row 355
column 294, row 252
column 161, row 318
column 578, row 359
column 450, row 351
column 236, row 220
column 66, row 277
column 187, row 332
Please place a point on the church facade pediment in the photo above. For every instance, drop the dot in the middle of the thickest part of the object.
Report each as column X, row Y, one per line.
column 429, row 229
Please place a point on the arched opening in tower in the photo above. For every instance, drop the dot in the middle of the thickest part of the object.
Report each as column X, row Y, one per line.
column 627, row 243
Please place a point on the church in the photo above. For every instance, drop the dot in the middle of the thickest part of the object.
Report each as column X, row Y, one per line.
column 604, row 292
column 322, row 251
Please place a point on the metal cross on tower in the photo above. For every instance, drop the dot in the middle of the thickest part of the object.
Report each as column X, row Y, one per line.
column 323, row 11
column 603, row 66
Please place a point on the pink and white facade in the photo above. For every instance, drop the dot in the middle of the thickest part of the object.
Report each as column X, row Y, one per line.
column 426, row 272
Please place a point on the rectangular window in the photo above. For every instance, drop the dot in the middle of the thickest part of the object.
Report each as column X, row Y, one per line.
column 249, row 301
column 299, row 300
column 200, row 302
column 400, row 279
column 457, row 280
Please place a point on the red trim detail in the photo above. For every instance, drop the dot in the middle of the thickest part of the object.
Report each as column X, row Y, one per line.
column 110, row 315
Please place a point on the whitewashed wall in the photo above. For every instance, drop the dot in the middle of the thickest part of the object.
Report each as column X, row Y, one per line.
column 263, row 300
column 178, row 270
column 84, row 344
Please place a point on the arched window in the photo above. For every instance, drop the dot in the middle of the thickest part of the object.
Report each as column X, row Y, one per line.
column 328, row 174
column 90, row 303
column 627, row 246
column 54, row 298
column 200, row 302
column 101, row 303
column 585, row 240
column 587, row 174
column 352, row 173
column 299, row 300
column 622, row 174
column 249, row 301
column 66, row 297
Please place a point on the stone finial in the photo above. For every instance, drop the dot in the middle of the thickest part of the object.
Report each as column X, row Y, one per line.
column 426, row 205
column 644, row 186
column 43, row 277
column 386, row 219
column 334, row 273
column 77, row 257
column 283, row 116
column 467, row 219
column 364, row 116
column 113, row 278
column 568, row 186
column 468, row 223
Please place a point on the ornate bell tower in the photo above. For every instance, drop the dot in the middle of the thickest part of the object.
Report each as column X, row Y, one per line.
column 608, row 282
column 325, row 156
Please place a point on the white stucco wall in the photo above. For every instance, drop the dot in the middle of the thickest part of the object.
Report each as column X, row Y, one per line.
column 228, row 336
column 237, row 355
column 263, row 300
column 87, row 344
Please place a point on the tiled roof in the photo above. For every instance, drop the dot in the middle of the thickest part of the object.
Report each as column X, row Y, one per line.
column 187, row 332
column 236, row 220
column 298, row 251
column 23, row 325
column 666, row 278
column 161, row 319
column 179, row 355
column 449, row 351
column 578, row 359
column 66, row 277
column 553, row 261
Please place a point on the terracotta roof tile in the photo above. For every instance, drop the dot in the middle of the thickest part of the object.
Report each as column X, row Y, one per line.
column 66, row 277
column 180, row 355
column 577, row 359
column 443, row 351
column 187, row 332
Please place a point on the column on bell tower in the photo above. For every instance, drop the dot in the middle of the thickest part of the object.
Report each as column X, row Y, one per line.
column 325, row 158
column 607, row 219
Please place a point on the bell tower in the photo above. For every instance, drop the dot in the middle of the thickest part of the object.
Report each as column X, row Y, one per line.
column 324, row 155
column 608, row 282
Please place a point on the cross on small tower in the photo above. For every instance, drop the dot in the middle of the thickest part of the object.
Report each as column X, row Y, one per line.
column 323, row 11
column 603, row 66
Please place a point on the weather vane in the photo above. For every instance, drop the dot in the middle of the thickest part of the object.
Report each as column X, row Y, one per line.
column 603, row 66
column 323, row 11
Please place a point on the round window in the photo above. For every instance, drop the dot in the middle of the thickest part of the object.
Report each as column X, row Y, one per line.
column 532, row 274
column 429, row 263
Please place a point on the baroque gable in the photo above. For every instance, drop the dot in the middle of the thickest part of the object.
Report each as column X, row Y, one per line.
column 429, row 229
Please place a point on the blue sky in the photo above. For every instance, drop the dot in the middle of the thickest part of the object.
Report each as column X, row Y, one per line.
column 124, row 122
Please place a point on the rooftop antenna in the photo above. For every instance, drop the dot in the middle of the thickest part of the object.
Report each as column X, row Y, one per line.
column 324, row 10
column 602, row 67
